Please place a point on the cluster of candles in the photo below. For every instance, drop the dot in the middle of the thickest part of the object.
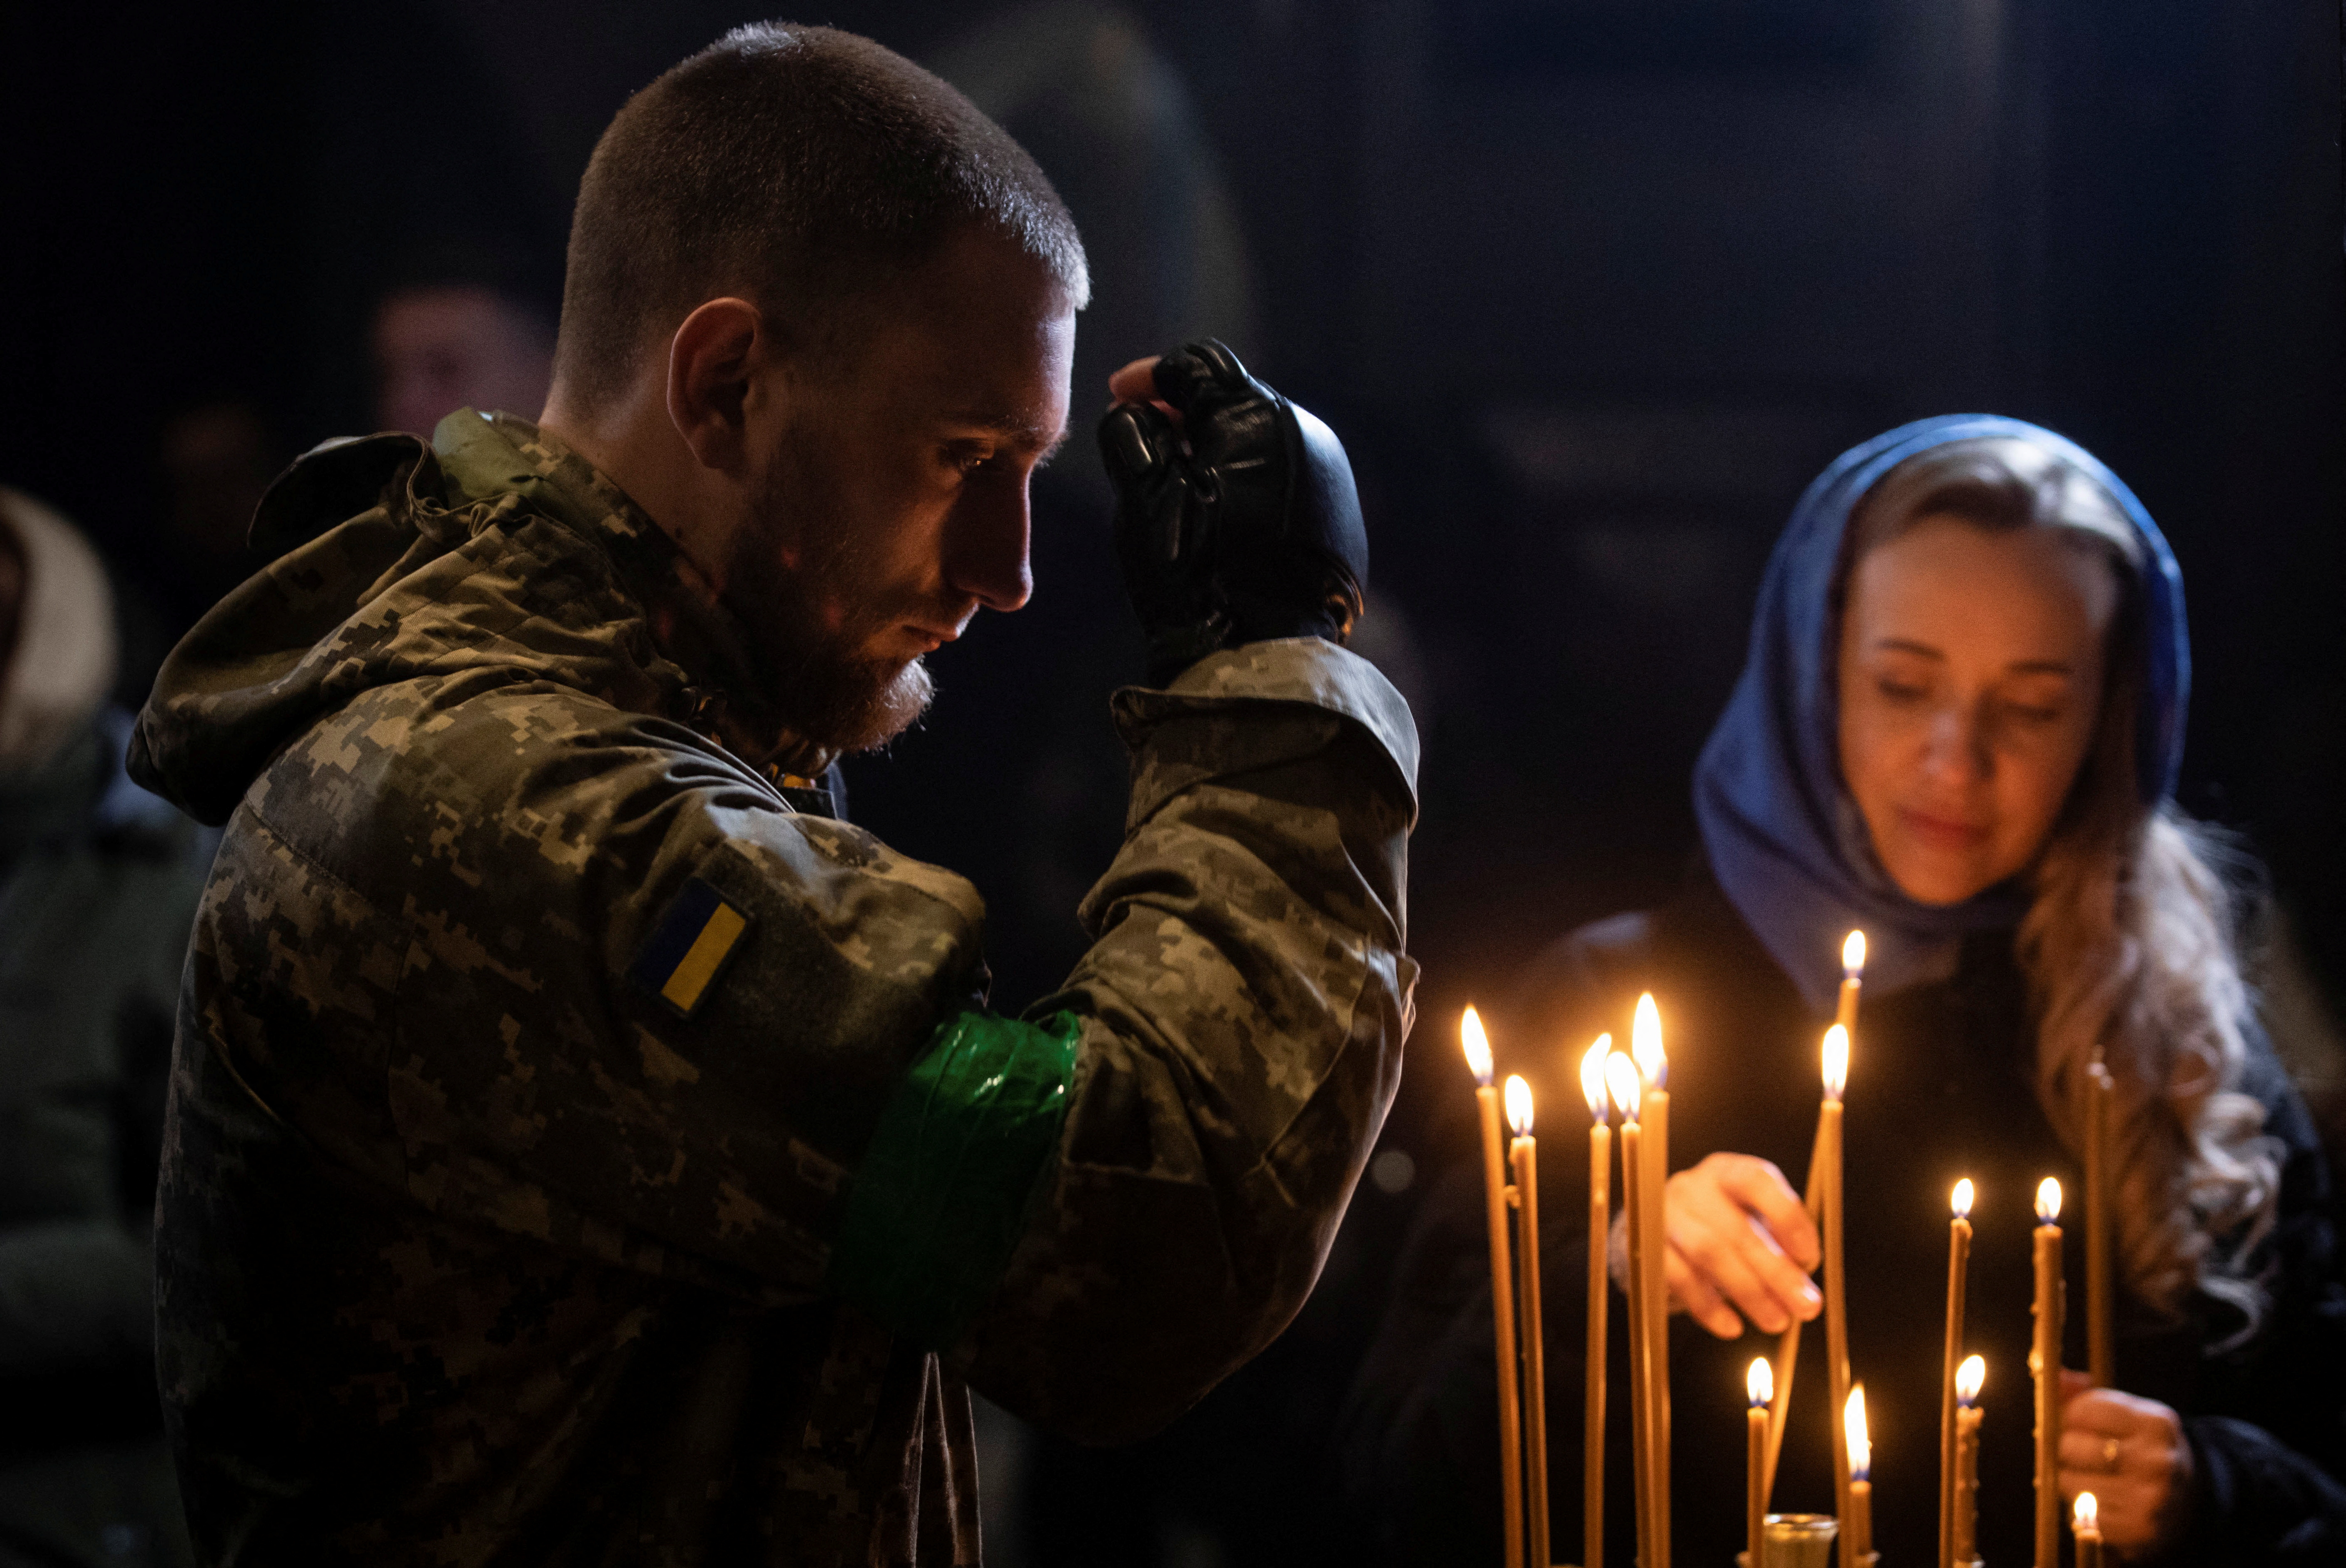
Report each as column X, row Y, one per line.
column 1637, row 1086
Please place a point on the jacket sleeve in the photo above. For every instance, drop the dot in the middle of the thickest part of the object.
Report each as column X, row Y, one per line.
column 1238, row 1024
column 2269, row 1437
column 436, row 946
column 422, row 961
column 2259, row 1500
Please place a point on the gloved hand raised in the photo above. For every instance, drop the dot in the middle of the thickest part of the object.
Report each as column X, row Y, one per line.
column 1235, row 521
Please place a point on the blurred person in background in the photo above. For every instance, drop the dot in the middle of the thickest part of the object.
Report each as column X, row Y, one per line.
column 463, row 325
column 99, row 886
column 1958, row 729
column 216, row 456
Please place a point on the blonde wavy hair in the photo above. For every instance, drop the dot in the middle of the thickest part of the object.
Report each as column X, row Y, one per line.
column 2130, row 942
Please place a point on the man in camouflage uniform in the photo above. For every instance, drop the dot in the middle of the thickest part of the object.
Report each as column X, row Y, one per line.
column 585, row 1148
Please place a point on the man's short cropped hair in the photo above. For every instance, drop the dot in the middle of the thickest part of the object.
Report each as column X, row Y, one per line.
column 795, row 167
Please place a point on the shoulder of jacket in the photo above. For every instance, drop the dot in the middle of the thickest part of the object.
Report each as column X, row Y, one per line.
column 337, row 480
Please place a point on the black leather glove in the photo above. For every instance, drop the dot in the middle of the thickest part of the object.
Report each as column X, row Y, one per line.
column 1238, row 525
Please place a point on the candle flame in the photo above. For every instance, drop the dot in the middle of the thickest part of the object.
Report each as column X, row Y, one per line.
column 1592, row 1076
column 1962, row 1201
column 1645, row 1043
column 1519, row 1106
column 1478, row 1047
column 1852, row 1425
column 2088, row 1515
column 1760, row 1383
column 1621, row 1077
column 1836, row 1062
column 2048, row 1200
column 1969, row 1377
column 1852, row 955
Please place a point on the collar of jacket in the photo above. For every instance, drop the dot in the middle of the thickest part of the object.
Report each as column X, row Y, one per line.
column 387, row 563
column 481, row 456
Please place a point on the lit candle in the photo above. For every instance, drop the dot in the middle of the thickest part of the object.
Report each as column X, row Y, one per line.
column 2086, row 1526
column 1621, row 1080
column 1968, row 1379
column 1503, row 1295
column 1788, row 1362
column 1758, row 1388
column 1654, row 1086
column 1857, row 1528
column 2099, row 1088
column 1853, row 976
column 1523, row 1155
column 1787, row 1343
column 1600, row 1222
column 1959, row 1257
column 1829, row 1137
column 2044, row 1365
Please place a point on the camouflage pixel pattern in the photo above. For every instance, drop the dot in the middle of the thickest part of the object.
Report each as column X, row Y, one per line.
column 470, row 1251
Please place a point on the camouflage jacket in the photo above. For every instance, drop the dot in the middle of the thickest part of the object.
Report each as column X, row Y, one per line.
column 582, row 1151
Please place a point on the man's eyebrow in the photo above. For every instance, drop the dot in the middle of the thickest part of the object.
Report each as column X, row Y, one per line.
column 1902, row 645
column 1019, row 430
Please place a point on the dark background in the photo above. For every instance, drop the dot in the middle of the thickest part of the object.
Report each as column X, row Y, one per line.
column 1591, row 288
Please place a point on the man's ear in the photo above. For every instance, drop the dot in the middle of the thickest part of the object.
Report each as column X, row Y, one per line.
column 711, row 362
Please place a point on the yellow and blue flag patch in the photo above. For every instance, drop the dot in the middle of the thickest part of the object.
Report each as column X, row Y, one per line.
column 689, row 948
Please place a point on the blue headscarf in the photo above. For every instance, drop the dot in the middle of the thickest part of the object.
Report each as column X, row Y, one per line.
column 1783, row 836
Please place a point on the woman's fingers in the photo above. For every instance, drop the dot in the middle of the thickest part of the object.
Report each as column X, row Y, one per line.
column 1758, row 1185
column 1702, row 1303
column 2130, row 1453
column 1723, row 1247
column 2092, row 1413
column 1689, row 1290
column 2126, row 1508
column 1705, row 1240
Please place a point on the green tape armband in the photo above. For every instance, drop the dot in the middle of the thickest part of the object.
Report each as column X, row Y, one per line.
column 943, row 1195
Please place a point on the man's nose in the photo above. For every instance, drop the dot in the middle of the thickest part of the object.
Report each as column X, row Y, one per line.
column 985, row 545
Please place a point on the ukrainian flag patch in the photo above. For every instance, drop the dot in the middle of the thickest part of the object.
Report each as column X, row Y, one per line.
column 689, row 948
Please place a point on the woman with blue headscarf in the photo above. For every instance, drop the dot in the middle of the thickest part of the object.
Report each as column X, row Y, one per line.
column 1957, row 730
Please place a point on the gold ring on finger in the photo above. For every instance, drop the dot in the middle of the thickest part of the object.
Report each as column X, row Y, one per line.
column 2110, row 1455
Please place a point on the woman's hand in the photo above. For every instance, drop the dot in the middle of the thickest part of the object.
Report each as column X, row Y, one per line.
column 1740, row 1242
column 2130, row 1453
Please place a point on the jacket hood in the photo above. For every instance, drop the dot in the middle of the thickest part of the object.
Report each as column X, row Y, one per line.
column 494, row 548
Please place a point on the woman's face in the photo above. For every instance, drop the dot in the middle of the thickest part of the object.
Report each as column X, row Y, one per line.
column 1971, row 681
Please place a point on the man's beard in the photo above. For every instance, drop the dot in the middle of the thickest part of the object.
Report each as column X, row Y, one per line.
column 849, row 705
column 827, row 693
